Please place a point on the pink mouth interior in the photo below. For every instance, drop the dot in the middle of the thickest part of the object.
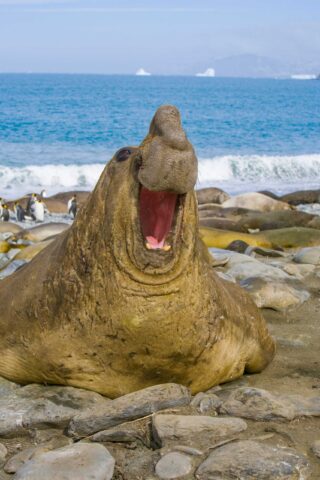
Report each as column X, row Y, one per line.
column 156, row 215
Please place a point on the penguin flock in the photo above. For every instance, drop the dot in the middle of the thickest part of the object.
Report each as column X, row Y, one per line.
column 35, row 209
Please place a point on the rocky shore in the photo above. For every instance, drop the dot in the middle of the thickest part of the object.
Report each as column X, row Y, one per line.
column 263, row 426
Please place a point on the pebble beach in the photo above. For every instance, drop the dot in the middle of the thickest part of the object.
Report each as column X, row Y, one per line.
column 260, row 426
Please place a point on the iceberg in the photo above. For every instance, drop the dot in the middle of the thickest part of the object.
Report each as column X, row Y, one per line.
column 142, row 73
column 302, row 76
column 208, row 73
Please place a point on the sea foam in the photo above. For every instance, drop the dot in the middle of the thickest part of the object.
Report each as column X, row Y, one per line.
column 234, row 173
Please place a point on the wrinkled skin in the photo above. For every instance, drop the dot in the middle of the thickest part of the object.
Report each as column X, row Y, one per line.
column 97, row 309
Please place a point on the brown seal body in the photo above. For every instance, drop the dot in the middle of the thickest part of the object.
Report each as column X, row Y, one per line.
column 303, row 196
column 127, row 300
column 211, row 195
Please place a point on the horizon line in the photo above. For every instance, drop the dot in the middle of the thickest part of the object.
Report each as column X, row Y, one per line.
column 275, row 77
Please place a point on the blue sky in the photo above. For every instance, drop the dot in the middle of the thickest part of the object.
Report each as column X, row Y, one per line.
column 163, row 36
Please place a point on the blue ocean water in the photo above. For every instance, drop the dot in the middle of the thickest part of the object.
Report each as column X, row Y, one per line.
column 57, row 131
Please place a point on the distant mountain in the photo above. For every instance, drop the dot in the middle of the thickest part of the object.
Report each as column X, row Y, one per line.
column 256, row 66
column 250, row 66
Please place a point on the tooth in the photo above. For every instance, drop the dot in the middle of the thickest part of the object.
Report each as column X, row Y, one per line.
column 148, row 246
column 166, row 248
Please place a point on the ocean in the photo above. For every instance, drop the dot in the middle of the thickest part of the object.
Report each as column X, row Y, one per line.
column 58, row 131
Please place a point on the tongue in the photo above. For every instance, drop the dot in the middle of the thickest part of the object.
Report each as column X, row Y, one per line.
column 156, row 215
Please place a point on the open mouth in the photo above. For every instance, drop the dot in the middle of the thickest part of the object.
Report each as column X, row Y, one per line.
column 157, row 218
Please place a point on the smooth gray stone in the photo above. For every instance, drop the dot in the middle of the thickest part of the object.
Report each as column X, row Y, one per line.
column 5, row 235
column 188, row 450
column 11, row 268
column 37, row 406
column 174, row 465
column 194, row 430
column 316, row 448
column 308, row 255
column 4, row 475
column 226, row 276
column 138, row 430
column 3, row 453
column 129, row 407
column 240, row 266
column 206, row 403
column 6, row 387
column 258, row 269
column 250, row 460
column 12, row 253
column 22, row 457
column 258, row 404
column 4, row 259
column 299, row 271
column 81, row 461
column 278, row 295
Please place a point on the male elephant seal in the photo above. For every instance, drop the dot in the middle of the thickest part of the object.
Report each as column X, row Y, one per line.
column 128, row 299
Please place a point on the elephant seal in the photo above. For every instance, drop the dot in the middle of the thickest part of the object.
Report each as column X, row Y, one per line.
column 126, row 298
column 31, row 251
column 4, row 246
column 260, row 220
column 10, row 227
column 304, row 196
column 214, row 210
column 270, row 194
column 274, row 220
column 256, row 201
column 294, row 237
column 42, row 232
column 221, row 223
column 211, row 195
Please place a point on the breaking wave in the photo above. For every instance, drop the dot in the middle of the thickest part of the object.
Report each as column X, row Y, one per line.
column 251, row 168
column 235, row 173
column 16, row 181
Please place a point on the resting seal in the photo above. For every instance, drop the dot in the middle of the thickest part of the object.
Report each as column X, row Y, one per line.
column 256, row 201
column 129, row 299
column 293, row 237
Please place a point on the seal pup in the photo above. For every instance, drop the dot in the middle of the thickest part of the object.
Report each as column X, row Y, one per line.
column 72, row 206
column 107, row 313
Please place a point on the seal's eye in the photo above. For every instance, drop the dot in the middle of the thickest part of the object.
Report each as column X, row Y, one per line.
column 123, row 154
